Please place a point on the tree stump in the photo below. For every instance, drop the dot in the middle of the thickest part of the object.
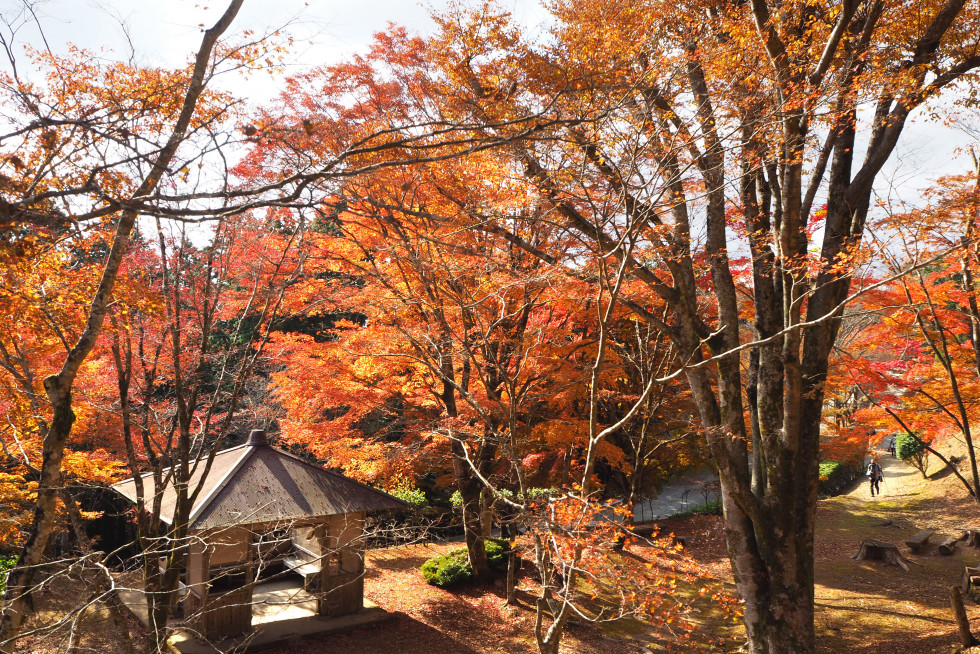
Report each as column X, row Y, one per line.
column 948, row 546
column 875, row 550
column 968, row 582
column 972, row 538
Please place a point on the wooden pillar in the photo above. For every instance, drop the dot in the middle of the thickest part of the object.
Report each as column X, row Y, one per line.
column 196, row 575
column 342, row 565
column 225, row 599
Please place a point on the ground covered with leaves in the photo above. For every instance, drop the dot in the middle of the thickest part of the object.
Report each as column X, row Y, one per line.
column 866, row 607
column 863, row 607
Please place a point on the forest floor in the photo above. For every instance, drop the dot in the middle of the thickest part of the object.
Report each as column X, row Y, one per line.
column 863, row 607
column 866, row 607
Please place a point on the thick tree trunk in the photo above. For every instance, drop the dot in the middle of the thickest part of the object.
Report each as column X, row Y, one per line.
column 470, row 491
column 772, row 559
column 22, row 578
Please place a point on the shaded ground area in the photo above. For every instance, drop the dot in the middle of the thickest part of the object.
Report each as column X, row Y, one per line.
column 866, row 607
column 428, row 619
column 863, row 607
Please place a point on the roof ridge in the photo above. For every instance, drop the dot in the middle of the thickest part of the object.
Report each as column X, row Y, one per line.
column 164, row 470
column 220, row 483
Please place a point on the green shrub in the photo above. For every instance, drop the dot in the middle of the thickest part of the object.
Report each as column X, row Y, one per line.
column 454, row 568
column 448, row 569
column 6, row 563
column 533, row 494
column 496, row 553
column 912, row 451
column 412, row 496
column 835, row 476
column 906, row 446
column 829, row 468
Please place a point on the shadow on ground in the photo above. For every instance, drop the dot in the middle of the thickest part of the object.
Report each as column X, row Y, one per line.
column 870, row 606
column 402, row 634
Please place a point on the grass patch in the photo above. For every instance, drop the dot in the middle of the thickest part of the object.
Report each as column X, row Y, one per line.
column 711, row 508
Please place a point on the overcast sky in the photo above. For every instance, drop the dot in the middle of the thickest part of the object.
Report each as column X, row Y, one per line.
column 164, row 32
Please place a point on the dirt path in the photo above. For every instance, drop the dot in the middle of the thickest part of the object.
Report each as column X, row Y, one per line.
column 899, row 477
column 868, row 607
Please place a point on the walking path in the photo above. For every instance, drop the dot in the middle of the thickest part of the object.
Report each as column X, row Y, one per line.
column 896, row 474
column 689, row 490
column 681, row 493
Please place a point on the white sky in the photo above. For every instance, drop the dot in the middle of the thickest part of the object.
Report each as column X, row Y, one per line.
column 167, row 32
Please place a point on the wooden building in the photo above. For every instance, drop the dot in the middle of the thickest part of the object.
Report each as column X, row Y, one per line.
column 262, row 509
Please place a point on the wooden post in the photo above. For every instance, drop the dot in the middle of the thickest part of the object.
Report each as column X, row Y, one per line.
column 962, row 622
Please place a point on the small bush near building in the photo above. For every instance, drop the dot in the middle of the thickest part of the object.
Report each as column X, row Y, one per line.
column 414, row 497
column 454, row 567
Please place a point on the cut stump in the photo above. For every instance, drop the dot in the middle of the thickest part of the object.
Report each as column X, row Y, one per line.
column 969, row 581
column 875, row 550
column 972, row 538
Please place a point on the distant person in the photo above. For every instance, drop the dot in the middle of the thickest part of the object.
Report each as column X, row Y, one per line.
column 891, row 447
column 875, row 474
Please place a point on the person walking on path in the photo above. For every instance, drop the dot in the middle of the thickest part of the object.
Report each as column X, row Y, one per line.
column 875, row 474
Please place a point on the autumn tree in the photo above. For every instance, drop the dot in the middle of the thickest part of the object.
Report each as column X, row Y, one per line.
column 718, row 126
column 182, row 365
column 54, row 124
column 463, row 344
column 46, row 282
column 922, row 364
column 103, row 142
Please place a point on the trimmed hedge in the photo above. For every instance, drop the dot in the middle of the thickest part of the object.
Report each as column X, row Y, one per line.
column 454, row 568
column 834, row 476
column 912, row 451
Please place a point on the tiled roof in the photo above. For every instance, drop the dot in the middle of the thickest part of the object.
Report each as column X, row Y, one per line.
column 256, row 483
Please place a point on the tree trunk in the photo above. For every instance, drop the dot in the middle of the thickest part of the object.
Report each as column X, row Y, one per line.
column 512, row 574
column 59, row 386
column 470, row 492
column 967, row 639
column 22, row 578
column 775, row 579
